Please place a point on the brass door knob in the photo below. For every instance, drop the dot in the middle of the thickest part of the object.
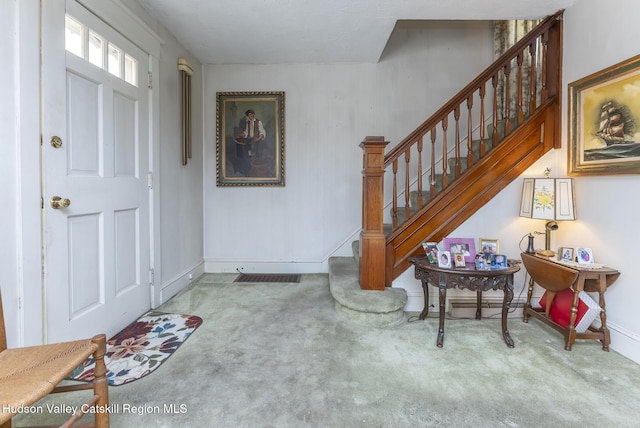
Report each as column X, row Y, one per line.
column 57, row 202
column 56, row 142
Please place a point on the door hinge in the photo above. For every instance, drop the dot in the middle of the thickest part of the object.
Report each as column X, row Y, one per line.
column 151, row 277
column 150, row 180
column 150, row 80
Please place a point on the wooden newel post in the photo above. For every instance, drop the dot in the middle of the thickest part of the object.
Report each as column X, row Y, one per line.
column 372, row 240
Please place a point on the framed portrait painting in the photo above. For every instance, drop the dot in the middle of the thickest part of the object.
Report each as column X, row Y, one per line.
column 250, row 138
column 604, row 121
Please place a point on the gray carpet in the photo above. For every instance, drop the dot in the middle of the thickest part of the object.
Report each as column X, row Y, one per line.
column 276, row 355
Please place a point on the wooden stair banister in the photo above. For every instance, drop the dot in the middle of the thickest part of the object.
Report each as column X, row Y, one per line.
column 464, row 169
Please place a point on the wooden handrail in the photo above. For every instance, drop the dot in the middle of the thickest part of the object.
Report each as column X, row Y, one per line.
column 475, row 84
column 523, row 81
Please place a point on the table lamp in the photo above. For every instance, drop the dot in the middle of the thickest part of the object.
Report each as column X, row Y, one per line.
column 548, row 199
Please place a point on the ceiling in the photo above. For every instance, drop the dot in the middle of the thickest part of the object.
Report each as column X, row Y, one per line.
column 315, row 31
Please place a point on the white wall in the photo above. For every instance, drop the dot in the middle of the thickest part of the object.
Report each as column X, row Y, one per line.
column 330, row 108
column 179, row 233
column 8, row 166
column 20, row 256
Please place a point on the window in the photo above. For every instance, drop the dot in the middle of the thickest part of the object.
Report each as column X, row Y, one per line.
column 96, row 49
column 115, row 60
column 82, row 41
column 74, row 36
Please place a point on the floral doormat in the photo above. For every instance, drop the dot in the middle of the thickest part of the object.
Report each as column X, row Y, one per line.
column 141, row 347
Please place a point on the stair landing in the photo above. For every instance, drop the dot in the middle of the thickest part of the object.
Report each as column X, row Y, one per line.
column 365, row 307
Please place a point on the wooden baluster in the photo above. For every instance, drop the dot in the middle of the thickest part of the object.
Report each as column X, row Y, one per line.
column 445, row 175
column 532, row 79
column 456, row 115
column 494, row 135
column 483, row 145
column 507, row 99
column 519, row 59
column 469, row 131
column 407, row 194
column 432, row 181
column 544, row 92
column 394, row 203
column 420, row 199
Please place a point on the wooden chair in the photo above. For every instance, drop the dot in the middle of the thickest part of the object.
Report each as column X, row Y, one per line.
column 30, row 373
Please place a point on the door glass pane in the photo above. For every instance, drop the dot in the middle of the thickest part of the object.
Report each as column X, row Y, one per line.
column 74, row 36
column 130, row 70
column 96, row 49
column 115, row 60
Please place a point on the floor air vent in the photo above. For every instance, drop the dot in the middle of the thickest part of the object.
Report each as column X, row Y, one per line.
column 267, row 277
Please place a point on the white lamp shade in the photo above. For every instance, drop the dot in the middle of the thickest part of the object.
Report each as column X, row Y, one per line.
column 548, row 199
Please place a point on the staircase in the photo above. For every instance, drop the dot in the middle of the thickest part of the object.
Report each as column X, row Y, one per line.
column 455, row 162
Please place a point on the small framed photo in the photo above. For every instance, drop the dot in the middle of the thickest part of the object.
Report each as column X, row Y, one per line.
column 458, row 260
column 489, row 246
column 584, row 255
column 465, row 246
column 431, row 250
column 498, row 261
column 444, row 259
column 482, row 263
column 565, row 254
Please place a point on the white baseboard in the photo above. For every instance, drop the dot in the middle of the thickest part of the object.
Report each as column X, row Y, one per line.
column 266, row 266
column 624, row 342
column 174, row 286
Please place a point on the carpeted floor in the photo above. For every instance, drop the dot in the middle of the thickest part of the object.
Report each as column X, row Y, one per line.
column 276, row 355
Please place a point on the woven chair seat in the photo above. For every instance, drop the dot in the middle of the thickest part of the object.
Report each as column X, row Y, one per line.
column 28, row 374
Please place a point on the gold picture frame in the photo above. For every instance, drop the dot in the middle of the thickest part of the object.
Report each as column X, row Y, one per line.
column 604, row 121
column 488, row 246
column 250, row 155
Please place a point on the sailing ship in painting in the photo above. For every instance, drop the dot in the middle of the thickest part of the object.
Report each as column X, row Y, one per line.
column 616, row 124
column 616, row 129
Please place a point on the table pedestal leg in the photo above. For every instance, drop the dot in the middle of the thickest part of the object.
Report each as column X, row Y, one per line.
column 425, row 311
column 443, row 298
column 606, row 339
column 508, row 297
column 527, row 304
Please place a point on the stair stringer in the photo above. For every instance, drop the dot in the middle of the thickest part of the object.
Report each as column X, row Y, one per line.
column 473, row 189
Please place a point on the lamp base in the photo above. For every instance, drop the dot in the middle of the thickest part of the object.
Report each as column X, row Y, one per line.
column 545, row 253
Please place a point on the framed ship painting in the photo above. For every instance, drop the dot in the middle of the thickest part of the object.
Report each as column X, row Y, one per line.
column 250, row 138
column 604, row 121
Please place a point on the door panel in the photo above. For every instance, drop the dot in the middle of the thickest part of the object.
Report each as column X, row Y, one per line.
column 97, row 250
column 85, row 285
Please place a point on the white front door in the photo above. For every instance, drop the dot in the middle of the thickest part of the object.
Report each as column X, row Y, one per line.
column 96, row 102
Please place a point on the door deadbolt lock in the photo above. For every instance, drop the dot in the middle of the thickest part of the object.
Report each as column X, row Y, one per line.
column 57, row 202
column 56, row 142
